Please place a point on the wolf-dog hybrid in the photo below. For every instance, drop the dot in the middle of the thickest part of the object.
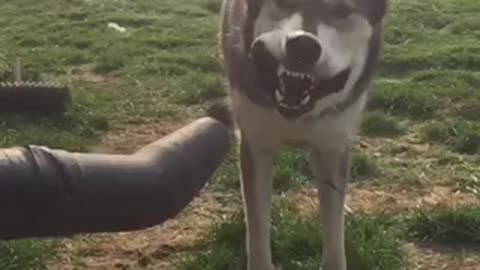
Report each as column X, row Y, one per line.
column 299, row 73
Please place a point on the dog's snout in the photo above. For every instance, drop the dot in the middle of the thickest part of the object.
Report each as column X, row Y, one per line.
column 258, row 49
column 264, row 61
column 262, row 57
column 303, row 48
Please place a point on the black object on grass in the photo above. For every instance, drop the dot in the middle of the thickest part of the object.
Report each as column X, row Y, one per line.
column 33, row 97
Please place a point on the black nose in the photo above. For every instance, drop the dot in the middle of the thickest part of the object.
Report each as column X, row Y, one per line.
column 303, row 49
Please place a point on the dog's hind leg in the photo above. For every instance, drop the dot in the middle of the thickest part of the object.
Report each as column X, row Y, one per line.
column 256, row 173
column 331, row 171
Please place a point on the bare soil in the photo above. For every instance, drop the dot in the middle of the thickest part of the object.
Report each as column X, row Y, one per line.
column 159, row 247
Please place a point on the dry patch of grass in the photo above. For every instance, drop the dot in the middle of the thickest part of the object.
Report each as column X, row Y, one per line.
column 155, row 248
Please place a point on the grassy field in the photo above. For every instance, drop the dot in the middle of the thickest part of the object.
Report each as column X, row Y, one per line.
column 415, row 190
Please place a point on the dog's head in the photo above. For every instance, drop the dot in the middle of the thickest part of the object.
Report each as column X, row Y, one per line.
column 309, row 51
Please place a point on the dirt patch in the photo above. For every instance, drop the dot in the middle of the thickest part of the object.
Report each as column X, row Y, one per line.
column 419, row 256
column 84, row 74
column 153, row 248
column 160, row 247
column 97, row 79
column 375, row 201
column 127, row 138
column 441, row 258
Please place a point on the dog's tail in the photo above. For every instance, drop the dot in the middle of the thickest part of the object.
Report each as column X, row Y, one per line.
column 222, row 111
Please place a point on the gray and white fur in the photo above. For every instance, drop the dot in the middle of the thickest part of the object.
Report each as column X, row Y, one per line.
column 299, row 72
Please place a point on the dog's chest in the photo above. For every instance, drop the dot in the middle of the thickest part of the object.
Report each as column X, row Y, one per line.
column 266, row 127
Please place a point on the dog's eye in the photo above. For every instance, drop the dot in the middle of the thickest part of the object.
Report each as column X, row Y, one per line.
column 342, row 11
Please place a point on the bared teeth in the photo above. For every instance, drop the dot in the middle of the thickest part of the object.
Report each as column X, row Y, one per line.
column 280, row 100
column 295, row 74
column 295, row 107
column 280, row 92
column 279, row 96
column 305, row 100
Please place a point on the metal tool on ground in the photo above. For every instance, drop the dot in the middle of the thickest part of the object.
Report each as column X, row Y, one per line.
column 32, row 97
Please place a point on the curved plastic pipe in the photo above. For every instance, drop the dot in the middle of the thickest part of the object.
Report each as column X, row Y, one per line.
column 46, row 192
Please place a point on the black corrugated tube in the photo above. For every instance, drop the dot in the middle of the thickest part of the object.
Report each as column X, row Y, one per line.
column 45, row 192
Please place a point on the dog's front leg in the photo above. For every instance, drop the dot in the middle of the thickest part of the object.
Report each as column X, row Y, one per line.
column 256, row 172
column 331, row 171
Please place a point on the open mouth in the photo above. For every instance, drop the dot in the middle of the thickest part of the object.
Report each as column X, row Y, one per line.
column 297, row 91
column 294, row 91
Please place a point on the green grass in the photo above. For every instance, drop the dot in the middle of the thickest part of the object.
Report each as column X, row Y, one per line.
column 212, row 5
column 379, row 124
column 291, row 170
column 399, row 99
column 296, row 243
column 165, row 66
column 470, row 110
column 363, row 167
column 460, row 136
column 156, row 69
column 448, row 226
column 470, row 184
column 24, row 255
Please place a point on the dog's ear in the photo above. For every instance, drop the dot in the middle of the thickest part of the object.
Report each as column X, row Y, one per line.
column 374, row 10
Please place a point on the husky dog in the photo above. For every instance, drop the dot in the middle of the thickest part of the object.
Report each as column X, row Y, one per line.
column 299, row 72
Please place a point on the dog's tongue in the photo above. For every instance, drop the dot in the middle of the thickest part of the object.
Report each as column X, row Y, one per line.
column 294, row 89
